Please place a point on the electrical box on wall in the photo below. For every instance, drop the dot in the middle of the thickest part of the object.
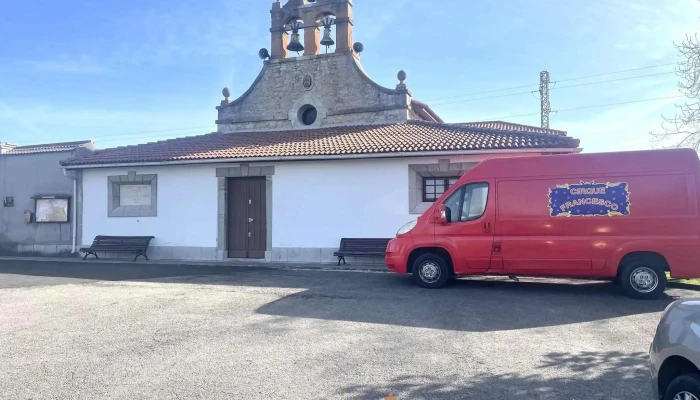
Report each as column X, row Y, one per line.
column 8, row 202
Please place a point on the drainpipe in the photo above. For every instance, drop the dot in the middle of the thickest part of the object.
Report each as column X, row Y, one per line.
column 74, row 212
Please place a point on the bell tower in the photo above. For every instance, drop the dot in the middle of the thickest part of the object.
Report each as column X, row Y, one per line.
column 311, row 16
column 312, row 77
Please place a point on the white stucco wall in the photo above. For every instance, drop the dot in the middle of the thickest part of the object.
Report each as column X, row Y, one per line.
column 314, row 203
column 317, row 203
column 187, row 206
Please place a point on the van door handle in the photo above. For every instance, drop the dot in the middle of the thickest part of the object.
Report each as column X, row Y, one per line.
column 487, row 227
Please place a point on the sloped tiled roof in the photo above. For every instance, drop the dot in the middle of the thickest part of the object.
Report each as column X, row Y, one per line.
column 405, row 137
column 509, row 126
column 45, row 148
column 425, row 112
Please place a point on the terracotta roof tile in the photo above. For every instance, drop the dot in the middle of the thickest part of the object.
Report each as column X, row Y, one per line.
column 45, row 148
column 509, row 126
column 406, row 137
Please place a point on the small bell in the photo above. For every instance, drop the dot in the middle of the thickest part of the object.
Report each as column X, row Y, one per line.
column 295, row 42
column 327, row 39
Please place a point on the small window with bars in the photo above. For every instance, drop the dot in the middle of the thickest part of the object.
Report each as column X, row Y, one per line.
column 433, row 188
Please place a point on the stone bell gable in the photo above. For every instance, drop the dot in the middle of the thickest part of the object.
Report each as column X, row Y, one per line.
column 313, row 90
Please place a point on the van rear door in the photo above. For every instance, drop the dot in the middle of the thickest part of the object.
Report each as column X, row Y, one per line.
column 468, row 234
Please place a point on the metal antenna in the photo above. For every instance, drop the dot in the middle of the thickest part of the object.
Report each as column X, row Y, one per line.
column 544, row 97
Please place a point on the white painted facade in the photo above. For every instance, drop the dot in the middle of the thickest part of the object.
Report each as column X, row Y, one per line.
column 186, row 206
column 314, row 205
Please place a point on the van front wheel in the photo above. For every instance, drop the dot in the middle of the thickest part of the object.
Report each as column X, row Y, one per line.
column 642, row 278
column 430, row 271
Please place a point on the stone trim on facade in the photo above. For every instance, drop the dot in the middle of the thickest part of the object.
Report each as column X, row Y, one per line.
column 416, row 173
column 240, row 171
column 114, row 184
column 79, row 209
column 307, row 99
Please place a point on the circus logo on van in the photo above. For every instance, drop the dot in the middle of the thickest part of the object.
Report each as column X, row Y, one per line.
column 590, row 199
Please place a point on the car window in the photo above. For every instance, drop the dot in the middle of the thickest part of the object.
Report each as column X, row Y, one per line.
column 467, row 203
column 453, row 204
column 478, row 194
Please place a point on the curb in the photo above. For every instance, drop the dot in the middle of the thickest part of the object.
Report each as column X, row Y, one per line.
column 687, row 286
column 206, row 264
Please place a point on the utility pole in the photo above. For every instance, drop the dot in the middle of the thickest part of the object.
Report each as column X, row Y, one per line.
column 544, row 96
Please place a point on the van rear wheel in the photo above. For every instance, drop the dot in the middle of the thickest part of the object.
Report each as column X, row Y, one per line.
column 430, row 271
column 642, row 278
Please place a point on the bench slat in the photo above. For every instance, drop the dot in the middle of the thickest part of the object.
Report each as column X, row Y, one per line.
column 119, row 244
column 361, row 247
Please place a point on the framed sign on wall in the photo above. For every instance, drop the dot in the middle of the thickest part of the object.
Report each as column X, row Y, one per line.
column 51, row 209
column 135, row 195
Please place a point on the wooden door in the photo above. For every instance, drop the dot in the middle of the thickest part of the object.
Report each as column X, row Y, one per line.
column 247, row 219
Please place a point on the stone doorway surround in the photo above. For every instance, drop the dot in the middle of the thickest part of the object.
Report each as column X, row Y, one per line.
column 241, row 171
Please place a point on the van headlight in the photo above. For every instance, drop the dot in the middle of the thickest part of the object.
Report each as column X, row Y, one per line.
column 407, row 228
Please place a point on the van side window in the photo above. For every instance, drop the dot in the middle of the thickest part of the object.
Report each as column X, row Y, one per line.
column 453, row 205
column 476, row 195
column 467, row 203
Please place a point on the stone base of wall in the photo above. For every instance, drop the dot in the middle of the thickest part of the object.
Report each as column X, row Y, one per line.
column 36, row 250
column 311, row 255
column 315, row 255
column 168, row 253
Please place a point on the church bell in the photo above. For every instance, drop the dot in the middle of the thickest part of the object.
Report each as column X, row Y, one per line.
column 295, row 42
column 327, row 39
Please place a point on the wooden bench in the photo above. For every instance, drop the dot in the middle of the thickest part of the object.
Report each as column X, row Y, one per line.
column 361, row 248
column 137, row 245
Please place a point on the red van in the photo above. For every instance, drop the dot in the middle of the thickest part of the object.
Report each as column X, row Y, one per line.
column 628, row 217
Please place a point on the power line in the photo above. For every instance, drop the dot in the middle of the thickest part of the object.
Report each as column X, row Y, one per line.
column 612, row 80
column 561, row 80
column 586, row 107
column 556, row 88
column 619, row 104
column 490, row 119
column 484, row 92
column 484, row 98
column 617, row 72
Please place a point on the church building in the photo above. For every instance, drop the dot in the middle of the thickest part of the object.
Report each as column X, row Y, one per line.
column 314, row 151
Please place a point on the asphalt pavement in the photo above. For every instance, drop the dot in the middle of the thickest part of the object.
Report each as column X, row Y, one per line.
column 134, row 331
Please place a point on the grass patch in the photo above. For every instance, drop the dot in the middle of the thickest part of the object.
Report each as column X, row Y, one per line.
column 695, row 281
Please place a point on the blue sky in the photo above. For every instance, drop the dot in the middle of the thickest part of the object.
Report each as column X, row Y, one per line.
column 136, row 71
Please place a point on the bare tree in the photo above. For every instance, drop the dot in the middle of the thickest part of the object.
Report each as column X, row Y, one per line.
column 683, row 129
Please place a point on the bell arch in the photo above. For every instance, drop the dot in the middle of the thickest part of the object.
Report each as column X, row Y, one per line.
column 295, row 28
column 312, row 13
column 326, row 23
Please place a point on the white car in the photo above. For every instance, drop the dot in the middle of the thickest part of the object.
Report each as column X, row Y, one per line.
column 674, row 355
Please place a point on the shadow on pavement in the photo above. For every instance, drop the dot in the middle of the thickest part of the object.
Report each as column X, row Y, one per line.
column 584, row 376
column 466, row 305
column 96, row 270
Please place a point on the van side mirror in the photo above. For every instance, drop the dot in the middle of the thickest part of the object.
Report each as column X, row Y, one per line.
column 442, row 214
